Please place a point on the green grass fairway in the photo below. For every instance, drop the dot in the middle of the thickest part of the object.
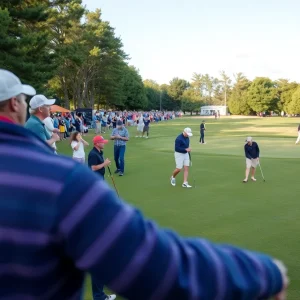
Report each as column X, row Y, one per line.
column 259, row 216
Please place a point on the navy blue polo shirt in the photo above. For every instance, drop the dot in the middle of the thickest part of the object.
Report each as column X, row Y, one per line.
column 96, row 158
column 146, row 123
column 182, row 143
column 251, row 151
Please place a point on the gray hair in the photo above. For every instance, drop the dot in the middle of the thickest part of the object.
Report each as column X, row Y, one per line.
column 32, row 111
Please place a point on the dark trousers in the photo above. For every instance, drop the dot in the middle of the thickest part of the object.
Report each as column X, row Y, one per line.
column 201, row 136
column 119, row 153
column 97, row 288
column 146, row 129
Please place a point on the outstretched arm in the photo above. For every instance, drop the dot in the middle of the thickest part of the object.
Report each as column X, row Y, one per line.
column 134, row 257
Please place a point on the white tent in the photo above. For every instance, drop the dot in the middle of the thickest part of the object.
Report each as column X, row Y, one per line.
column 210, row 110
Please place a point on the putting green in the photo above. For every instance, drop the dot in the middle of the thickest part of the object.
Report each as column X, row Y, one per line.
column 259, row 216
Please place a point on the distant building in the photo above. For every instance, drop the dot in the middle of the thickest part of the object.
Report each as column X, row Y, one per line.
column 210, row 110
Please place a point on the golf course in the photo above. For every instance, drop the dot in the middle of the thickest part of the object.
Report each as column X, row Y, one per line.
column 261, row 216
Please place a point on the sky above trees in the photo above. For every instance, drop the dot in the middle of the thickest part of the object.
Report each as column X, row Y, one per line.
column 177, row 38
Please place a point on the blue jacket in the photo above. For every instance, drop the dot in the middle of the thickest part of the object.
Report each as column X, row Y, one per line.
column 181, row 143
column 58, row 221
column 251, row 151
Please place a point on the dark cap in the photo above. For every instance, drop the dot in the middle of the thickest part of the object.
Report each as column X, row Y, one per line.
column 119, row 123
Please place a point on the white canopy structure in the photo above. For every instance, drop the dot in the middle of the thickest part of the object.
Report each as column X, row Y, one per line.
column 210, row 110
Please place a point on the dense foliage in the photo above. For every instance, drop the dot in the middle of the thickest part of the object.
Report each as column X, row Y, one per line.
column 72, row 54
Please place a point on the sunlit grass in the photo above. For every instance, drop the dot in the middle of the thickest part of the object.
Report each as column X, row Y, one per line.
column 260, row 216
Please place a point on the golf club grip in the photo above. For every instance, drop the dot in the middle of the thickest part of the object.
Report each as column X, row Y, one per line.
column 109, row 170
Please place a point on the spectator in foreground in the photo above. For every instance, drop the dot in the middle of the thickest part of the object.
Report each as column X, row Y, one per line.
column 54, row 229
column 39, row 110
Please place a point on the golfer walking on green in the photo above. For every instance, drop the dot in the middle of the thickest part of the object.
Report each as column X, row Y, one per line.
column 182, row 158
column 252, row 158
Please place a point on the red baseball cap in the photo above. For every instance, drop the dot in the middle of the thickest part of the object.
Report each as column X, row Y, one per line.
column 99, row 139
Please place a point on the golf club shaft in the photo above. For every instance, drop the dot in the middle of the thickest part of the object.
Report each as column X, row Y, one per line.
column 113, row 180
column 262, row 174
column 194, row 182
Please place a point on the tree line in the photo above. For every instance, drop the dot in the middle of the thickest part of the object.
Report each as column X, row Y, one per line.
column 72, row 54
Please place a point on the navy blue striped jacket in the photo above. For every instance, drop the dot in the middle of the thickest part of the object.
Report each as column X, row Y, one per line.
column 59, row 221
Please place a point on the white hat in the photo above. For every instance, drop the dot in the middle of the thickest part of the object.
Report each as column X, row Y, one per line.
column 188, row 131
column 249, row 139
column 11, row 86
column 39, row 101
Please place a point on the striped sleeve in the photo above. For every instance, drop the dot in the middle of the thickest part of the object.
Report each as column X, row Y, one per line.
column 135, row 258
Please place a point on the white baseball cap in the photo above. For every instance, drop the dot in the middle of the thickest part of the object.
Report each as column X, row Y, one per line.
column 188, row 131
column 39, row 101
column 249, row 139
column 11, row 86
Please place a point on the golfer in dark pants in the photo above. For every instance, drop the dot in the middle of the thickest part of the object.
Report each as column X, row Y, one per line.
column 202, row 130
column 120, row 136
column 97, row 163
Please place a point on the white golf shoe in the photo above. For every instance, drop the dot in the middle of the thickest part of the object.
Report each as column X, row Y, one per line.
column 186, row 185
column 173, row 181
column 253, row 179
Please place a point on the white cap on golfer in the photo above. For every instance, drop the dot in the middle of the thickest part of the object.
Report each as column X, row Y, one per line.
column 188, row 131
column 11, row 86
column 39, row 101
column 249, row 139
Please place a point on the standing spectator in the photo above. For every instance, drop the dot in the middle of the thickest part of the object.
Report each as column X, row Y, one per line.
column 62, row 128
column 39, row 111
column 114, row 121
column 49, row 126
column 77, row 144
column 298, row 139
column 98, row 122
column 120, row 135
column 202, row 131
column 55, row 122
column 252, row 158
column 78, row 122
column 97, row 163
column 67, row 124
column 140, row 125
column 146, row 126
column 95, row 159
column 104, row 122
column 182, row 158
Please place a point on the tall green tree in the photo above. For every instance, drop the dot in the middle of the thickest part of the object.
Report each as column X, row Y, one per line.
column 176, row 89
column 168, row 102
column 210, row 85
column 191, row 100
column 237, row 101
column 294, row 106
column 262, row 95
column 154, row 94
column 134, row 90
column 66, row 40
column 285, row 90
column 226, row 84
column 25, row 41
